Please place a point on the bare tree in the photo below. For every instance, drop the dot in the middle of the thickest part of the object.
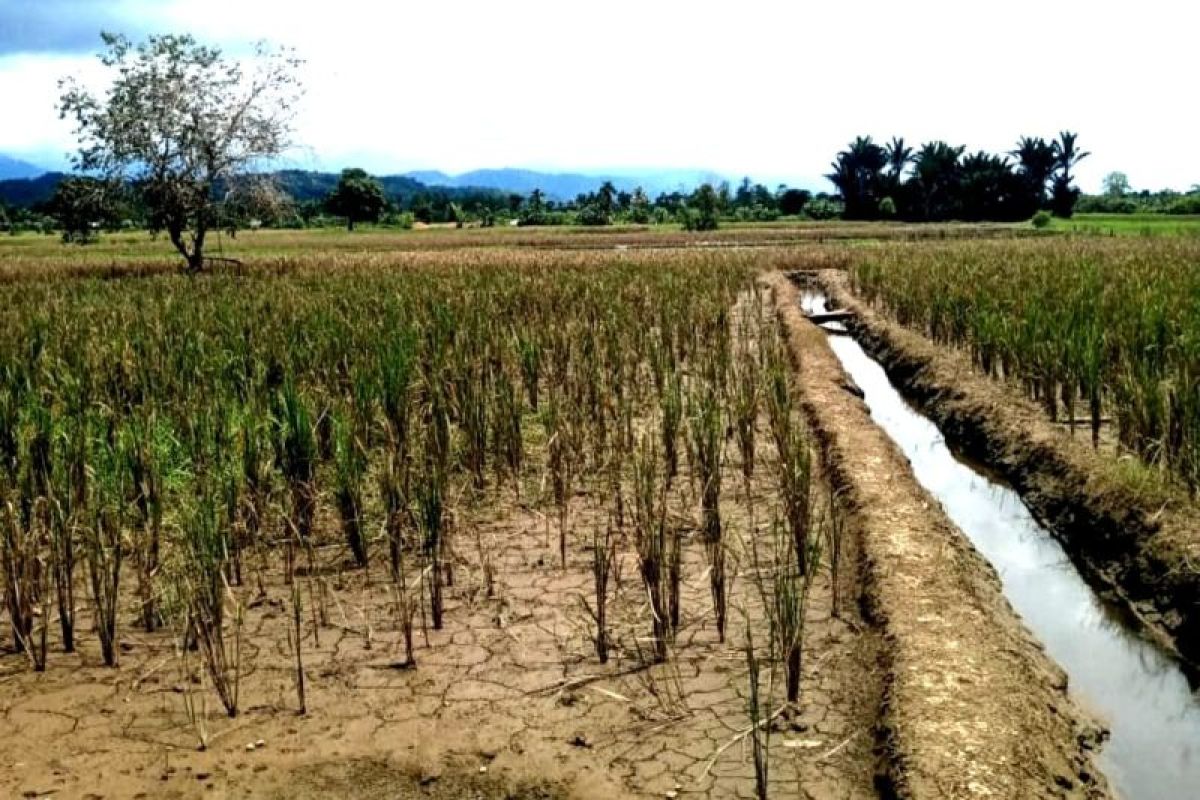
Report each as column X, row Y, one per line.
column 181, row 123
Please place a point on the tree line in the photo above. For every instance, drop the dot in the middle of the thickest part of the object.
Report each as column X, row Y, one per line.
column 938, row 181
column 1118, row 197
column 83, row 206
column 360, row 197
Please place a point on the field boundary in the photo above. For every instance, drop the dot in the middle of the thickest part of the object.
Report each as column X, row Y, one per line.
column 1143, row 553
column 972, row 705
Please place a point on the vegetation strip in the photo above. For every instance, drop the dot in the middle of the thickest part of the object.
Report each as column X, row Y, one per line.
column 1139, row 544
column 972, row 707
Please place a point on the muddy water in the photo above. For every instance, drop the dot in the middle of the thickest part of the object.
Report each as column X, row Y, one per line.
column 1137, row 690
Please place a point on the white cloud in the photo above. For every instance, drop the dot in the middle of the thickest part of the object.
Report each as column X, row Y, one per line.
column 769, row 89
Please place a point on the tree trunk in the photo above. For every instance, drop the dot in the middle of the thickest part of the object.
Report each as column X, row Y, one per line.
column 194, row 256
column 176, row 235
column 196, row 261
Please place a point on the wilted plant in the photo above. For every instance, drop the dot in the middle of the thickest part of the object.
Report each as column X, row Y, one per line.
column 794, row 460
column 397, row 366
column 651, row 540
column 296, row 639
column 430, row 495
column 406, row 609
column 472, row 409
column 210, row 605
column 68, row 515
column 24, row 560
column 561, row 466
column 672, row 415
column 105, row 548
column 530, row 354
column 296, row 454
column 788, row 598
column 10, row 422
column 604, row 555
column 745, row 401
column 707, row 427
column 778, row 398
column 146, row 488
column 507, row 436
column 256, row 482
column 795, row 485
column 760, row 731
column 351, row 466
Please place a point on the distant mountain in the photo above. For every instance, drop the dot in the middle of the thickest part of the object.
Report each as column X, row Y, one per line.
column 27, row 192
column 431, row 178
column 567, row 185
column 11, row 168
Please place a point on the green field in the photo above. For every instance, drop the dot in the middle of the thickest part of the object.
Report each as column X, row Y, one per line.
column 1131, row 224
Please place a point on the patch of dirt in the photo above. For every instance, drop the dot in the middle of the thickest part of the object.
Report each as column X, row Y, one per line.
column 377, row 779
column 1144, row 548
column 973, row 707
column 507, row 701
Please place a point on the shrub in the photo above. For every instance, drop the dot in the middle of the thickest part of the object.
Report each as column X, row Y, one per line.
column 693, row 220
column 823, row 209
column 1189, row 204
column 1105, row 204
column 592, row 214
column 1041, row 219
column 702, row 210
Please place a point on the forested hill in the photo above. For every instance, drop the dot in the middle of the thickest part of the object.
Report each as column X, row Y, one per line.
column 26, row 192
column 304, row 185
column 299, row 184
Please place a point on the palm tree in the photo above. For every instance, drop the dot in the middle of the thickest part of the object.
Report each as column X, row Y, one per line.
column 1066, row 155
column 1035, row 163
column 857, row 174
column 936, row 175
column 898, row 157
column 988, row 188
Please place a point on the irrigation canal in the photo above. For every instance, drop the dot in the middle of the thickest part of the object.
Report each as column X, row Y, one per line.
column 1138, row 691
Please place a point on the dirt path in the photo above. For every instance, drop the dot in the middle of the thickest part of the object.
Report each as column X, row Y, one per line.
column 973, row 707
column 1140, row 542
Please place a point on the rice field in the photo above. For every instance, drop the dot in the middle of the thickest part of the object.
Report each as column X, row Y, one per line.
column 1100, row 331
column 175, row 451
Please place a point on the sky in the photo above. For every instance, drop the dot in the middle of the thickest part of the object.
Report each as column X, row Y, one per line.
column 767, row 89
